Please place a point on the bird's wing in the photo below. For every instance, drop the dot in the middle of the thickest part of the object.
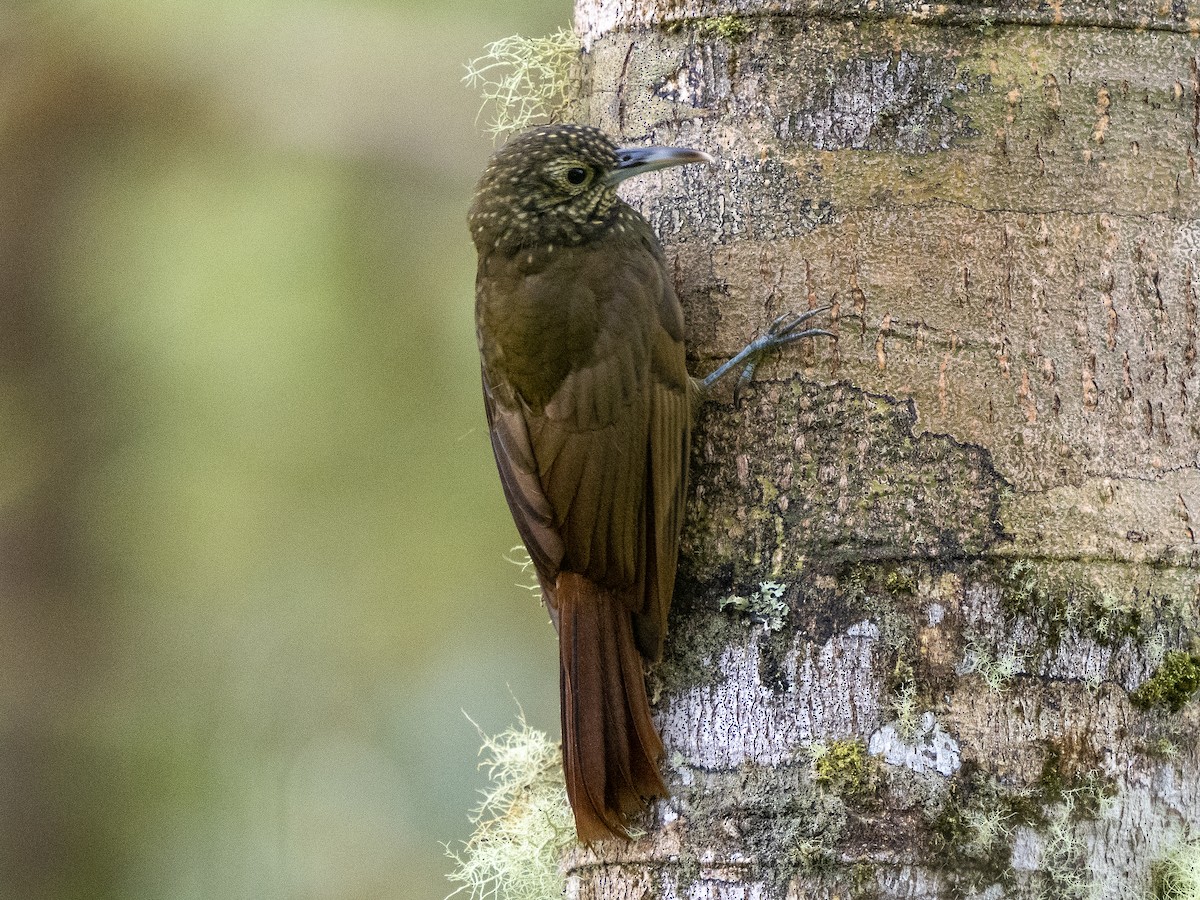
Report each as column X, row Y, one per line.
column 672, row 402
column 531, row 510
column 590, row 437
column 596, row 475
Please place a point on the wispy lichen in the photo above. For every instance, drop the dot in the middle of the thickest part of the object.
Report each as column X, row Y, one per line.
column 1162, row 746
column 523, row 826
column 1177, row 876
column 1064, row 803
column 995, row 666
column 1064, row 873
column 520, row 558
column 906, row 707
column 988, row 827
column 976, row 821
column 525, row 81
column 1058, row 603
column 980, row 816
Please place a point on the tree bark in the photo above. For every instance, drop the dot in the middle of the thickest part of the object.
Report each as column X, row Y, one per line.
column 939, row 600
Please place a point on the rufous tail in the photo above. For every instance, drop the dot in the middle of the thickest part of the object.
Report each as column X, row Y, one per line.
column 610, row 748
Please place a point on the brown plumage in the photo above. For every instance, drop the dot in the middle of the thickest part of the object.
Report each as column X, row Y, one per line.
column 590, row 410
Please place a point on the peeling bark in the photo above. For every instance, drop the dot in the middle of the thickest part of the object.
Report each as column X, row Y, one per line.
column 978, row 505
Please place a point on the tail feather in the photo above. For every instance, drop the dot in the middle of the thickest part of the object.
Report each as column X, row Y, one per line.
column 610, row 747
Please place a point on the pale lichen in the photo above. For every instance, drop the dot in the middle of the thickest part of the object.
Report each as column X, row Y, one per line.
column 979, row 819
column 520, row 558
column 1059, row 603
column 906, row 707
column 526, row 81
column 995, row 666
column 523, row 826
column 1177, row 875
column 765, row 606
column 1064, row 873
column 928, row 748
column 976, row 821
column 786, row 823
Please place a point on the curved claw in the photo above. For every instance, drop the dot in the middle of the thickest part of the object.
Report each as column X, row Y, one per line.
column 744, row 379
column 800, row 319
column 787, row 338
column 773, row 328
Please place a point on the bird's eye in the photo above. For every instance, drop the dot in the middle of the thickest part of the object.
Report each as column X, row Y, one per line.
column 576, row 175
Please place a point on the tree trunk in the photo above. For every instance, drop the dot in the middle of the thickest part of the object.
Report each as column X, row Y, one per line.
column 937, row 619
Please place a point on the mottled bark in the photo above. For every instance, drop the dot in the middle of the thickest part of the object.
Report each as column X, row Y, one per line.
column 940, row 579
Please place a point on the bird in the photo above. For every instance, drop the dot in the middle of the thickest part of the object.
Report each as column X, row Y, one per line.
column 590, row 410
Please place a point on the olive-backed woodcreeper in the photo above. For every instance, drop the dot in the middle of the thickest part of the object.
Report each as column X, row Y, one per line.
column 590, row 409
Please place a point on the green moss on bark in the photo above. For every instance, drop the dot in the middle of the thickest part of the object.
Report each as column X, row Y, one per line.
column 845, row 768
column 780, row 817
column 1174, row 683
column 729, row 28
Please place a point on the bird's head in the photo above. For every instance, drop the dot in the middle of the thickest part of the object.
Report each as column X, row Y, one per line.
column 557, row 184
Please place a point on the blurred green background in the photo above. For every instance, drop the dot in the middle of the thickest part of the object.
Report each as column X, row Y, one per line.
column 252, row 543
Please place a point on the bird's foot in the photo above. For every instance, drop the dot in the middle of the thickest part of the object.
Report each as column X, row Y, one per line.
column 783, row 331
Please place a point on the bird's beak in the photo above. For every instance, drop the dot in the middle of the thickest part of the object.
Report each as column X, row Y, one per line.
column 640, row 160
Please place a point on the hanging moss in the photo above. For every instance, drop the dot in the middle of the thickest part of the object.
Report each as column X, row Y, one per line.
column 523, row 826
column 1177, row 875
column 526, row 81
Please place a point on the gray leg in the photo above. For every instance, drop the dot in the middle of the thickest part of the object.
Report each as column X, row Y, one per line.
column 782, row 332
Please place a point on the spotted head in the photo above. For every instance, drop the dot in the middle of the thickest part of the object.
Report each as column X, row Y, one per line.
column 557, row 184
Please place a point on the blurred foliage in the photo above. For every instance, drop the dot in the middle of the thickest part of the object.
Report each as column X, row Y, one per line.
column 252, row 544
